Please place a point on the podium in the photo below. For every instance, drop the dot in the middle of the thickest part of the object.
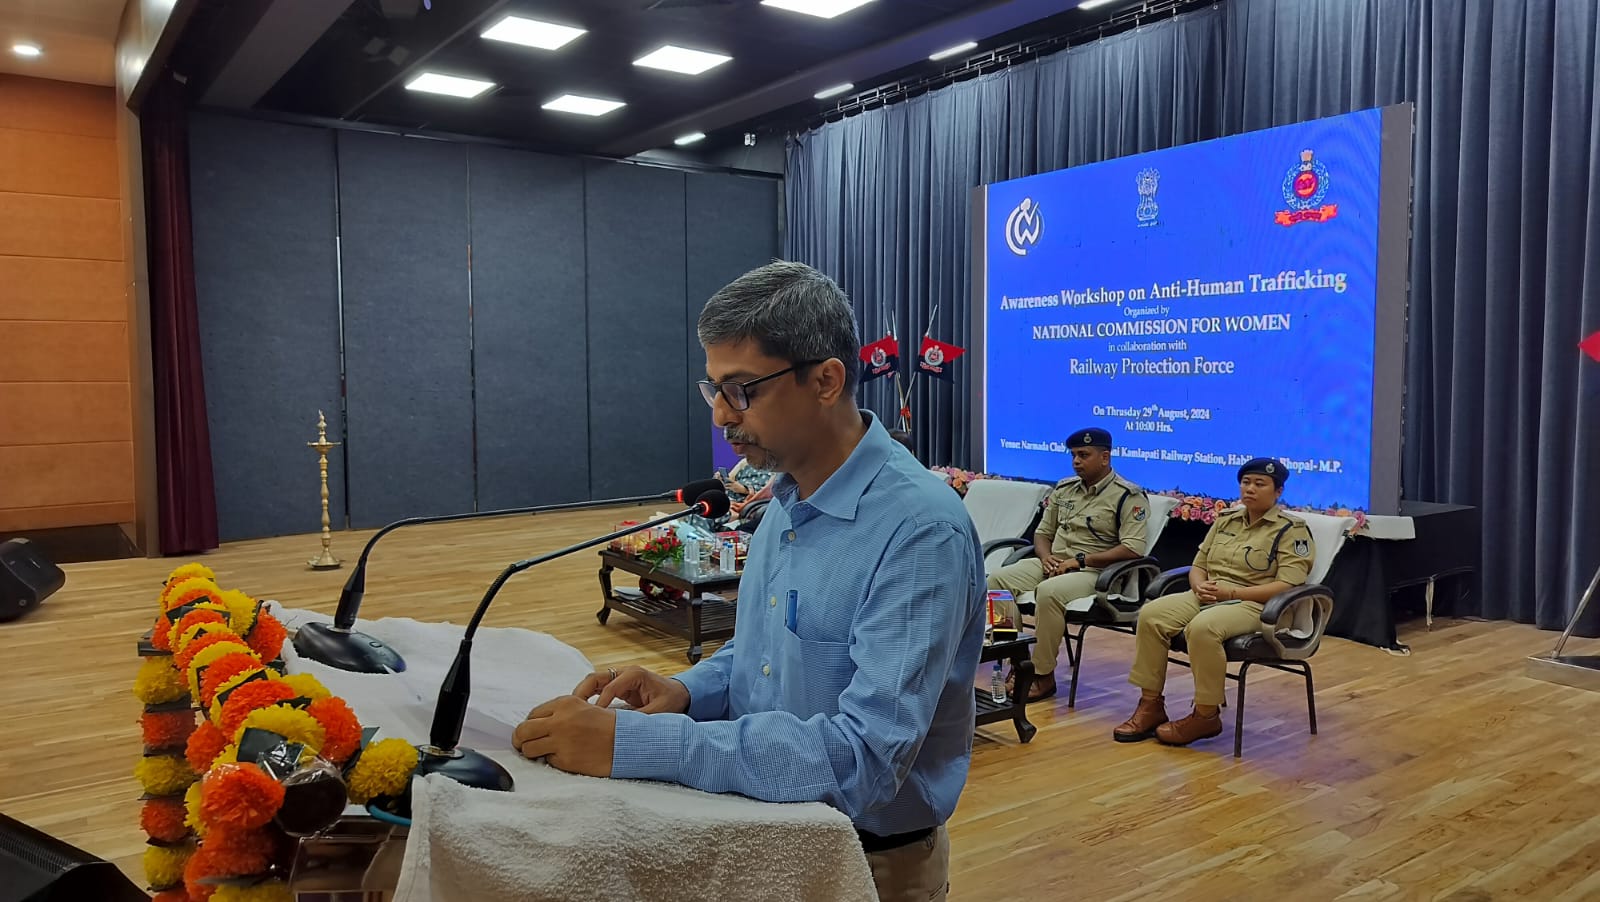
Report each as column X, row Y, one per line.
column 1577, row 671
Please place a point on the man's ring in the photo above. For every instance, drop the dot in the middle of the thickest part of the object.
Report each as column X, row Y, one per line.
column 612, row 671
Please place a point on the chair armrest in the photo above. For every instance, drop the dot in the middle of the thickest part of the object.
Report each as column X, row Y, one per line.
column 1283, row 607
column 1174, row 580
column 1119, row 588
column 993, row 545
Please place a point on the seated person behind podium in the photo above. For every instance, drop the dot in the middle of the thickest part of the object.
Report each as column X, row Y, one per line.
column 1090, row 521
column 849, row 677
column 1250, row 554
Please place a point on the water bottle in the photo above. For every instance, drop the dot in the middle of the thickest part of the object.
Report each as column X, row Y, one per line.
column 727, row 563
column 997, row 686
column 696, row 556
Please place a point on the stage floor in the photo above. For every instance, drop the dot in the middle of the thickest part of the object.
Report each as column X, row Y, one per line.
column 1446, row 774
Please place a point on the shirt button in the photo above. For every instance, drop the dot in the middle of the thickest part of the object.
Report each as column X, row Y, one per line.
column 791, row 535
column 772, row 602
column 766, row 670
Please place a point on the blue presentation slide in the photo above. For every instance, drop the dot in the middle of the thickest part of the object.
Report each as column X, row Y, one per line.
column 1206, row 304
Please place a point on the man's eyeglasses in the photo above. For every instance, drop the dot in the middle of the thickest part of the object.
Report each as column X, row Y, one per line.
column 738, row 394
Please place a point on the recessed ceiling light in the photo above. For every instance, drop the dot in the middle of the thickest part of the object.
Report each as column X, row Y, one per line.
column 822, row 9
column 952, row 51
column 583, row 106
column 690, row 138
column 1091, row 4
column 681, row 59
column 532, row 33
column 454, row 86
column 825, row 93
column 26, row 50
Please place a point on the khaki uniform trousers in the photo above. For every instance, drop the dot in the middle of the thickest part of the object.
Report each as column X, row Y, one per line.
column 919, row 872
column 1205, row 628
column 1050, row 601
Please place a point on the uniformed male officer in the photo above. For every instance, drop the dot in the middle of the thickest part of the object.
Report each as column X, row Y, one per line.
column 1090, row 521
column 1251, row 554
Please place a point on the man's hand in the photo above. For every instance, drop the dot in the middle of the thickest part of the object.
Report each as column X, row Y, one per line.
column 638, row 688
column 570, row 735
column 1052, row 565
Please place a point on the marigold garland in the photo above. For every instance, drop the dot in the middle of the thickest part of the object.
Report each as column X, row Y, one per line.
column 223, row 671
column 166, row 729
column 267, row 636
column 306, row 686
column 163, row 865
column 239, row 795
column 205, row 744
column 193, row 872
column 241, row 611
column 342, row 729
column 384, row 769
column 289, row 722
column 189, row 571
column 191, row 590
column 160, row 636
column 200, row 614
column 270, row 891
column 158, row 682
column 163, row 775
column 162, row 819
column 191, row 810
column 213, row 653
column 215, row 860
column 203, row 638
column 176, row 894
column 247, row 698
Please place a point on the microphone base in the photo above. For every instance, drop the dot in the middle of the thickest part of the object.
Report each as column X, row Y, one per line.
column 346, row 649
column 465, row 766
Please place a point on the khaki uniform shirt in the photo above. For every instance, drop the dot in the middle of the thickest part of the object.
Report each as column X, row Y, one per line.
column 1278, row 547
column 1078, row 518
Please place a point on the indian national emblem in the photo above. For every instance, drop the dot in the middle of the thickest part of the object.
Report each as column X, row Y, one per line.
column 1149, row 180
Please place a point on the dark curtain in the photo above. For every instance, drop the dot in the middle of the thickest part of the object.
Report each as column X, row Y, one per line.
column 1501, row 408
column 187, row 493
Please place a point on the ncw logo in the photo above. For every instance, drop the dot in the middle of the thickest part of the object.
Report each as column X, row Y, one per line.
column 1023, row 227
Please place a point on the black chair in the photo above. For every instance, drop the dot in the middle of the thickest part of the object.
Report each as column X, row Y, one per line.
column 1292, row 624
column 1119, row 593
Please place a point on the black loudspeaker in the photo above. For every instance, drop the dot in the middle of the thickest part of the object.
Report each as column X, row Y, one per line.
column 26, row 578
column 35, row 867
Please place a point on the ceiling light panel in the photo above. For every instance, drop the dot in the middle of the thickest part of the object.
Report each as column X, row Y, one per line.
column 583, row 106
column 681, row 59
column 822, row 9
column 532, row 33
column 450, row 85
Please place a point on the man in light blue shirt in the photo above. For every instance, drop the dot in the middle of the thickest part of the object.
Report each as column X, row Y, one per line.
column 849, row 678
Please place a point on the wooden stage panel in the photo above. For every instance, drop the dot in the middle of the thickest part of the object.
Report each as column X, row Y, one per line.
column 1446, row 774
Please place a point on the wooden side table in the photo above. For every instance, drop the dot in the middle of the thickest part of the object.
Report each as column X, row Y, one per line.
column 1016, row 709
column 696, row 619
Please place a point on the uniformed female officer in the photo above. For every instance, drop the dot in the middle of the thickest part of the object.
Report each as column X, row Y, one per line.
column 1251, row 554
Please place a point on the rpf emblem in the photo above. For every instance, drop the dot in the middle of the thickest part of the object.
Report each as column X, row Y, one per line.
column 1023, row 227
column 1302, row 548
column 933, row 356
column 1305, row 187
column 879, row 357
column 1149, row 180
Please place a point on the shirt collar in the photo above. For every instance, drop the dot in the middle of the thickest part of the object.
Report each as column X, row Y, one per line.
column 1097, row 488
column 840, row 494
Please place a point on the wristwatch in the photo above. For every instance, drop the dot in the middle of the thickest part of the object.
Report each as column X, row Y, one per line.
column 1082, row 560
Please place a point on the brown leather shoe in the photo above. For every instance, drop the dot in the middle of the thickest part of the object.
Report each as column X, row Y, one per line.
column 1043, row 687
column 1151, row 714
column 1190, row 729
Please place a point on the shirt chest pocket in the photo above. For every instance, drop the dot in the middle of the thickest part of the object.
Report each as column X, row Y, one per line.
column 814, row 674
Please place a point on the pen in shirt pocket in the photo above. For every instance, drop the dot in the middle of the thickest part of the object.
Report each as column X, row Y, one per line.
column 792, row 615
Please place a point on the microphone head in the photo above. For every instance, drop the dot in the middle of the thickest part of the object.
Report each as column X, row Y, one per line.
column 691, row 492
column 712, row 504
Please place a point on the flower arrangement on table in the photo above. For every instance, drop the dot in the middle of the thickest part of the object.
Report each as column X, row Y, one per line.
column 959, row 479
column 239, row 758
column 661, row 549
column 1206, row 509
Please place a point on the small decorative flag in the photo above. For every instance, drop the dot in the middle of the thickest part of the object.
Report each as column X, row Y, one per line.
column 880, row 358
column 1591, row 346
column 935, row 356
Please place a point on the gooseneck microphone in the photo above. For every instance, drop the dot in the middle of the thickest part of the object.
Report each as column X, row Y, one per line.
column 340, row 646
column 443, row 754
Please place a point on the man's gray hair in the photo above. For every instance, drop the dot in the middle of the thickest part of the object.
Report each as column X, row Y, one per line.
column 793, row 311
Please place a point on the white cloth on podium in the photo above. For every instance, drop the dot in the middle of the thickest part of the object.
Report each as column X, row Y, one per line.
column 561, row 837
